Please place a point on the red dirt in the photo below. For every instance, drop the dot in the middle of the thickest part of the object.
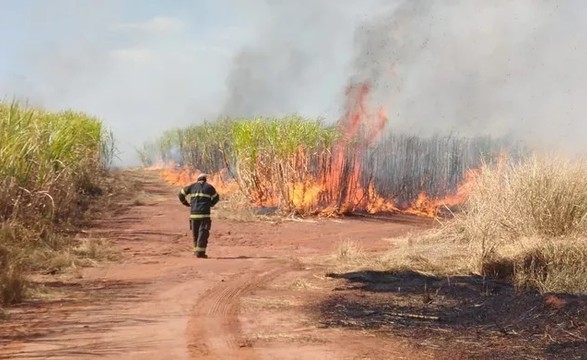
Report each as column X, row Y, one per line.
column 249, row 301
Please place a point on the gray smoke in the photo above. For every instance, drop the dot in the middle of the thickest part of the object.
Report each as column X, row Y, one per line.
column 299, row 62
column 503, row 68
column 511, row 68
column 473, row 67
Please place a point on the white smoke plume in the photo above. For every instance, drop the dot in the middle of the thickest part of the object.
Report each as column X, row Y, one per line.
column 510, row 68
column 503, row 68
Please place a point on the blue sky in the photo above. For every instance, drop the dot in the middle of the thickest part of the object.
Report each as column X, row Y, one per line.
column 38, row 35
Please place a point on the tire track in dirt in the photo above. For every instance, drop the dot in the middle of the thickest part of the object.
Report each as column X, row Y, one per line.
column 214, row 330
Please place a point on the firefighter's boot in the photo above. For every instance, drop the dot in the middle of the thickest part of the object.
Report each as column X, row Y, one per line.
column 200, row 252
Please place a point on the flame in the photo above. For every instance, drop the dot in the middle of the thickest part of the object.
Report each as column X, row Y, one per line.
column 185, row 175
column 425, row 206
column 345, row 192
column 340, row 190
column 340, row 187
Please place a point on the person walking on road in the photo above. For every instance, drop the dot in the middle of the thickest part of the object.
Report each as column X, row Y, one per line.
column 202, row 197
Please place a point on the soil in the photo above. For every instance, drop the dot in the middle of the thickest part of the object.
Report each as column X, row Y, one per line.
column 268, row 291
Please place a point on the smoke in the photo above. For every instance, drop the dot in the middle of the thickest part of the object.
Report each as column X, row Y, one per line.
column 147, row 68
column 503, row 68
column 298, row 63
column 472, row 67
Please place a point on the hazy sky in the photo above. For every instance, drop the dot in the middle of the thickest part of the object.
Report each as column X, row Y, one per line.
column 140, row 65
column 143, row 66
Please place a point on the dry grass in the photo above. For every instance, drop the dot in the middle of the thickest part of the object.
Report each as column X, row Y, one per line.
column 139, row 200
column 288, row 337
column 427, row 258
column 407, row 253
column 525, row 222
column 13, row 285
column 236, row 207
column 350, row 252
column 142, row 198
column 303, row 284
column 296, row 263
column 549, row 265
column 69, row 254
column 97, row 249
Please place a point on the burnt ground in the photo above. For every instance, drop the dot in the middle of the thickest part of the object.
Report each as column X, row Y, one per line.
column 479, row 317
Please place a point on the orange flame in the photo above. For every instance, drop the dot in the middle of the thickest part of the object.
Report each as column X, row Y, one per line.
column 185, row 175
column 346, row 192
column 338, row 189
column 425, row 206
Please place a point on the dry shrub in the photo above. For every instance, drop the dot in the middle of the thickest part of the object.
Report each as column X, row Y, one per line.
column 236, row 207
column 350, row 251
column 92, row 250
column 526, row 222
column 48, row 252
column 296, row 263
column 409, row 253
column 561, row 267
column 451, row 259
column 13, row 284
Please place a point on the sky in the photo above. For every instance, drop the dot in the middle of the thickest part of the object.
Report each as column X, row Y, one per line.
column 143, row 66
column 140, row 66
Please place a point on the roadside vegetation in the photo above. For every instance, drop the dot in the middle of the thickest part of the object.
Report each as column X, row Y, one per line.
column 304, row 166
column 524, row 222
column 52, row 166
column 524, row 218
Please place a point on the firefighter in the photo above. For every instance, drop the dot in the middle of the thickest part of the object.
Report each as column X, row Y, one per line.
column 203, row 197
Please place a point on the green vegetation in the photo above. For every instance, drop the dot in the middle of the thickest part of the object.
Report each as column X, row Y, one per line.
column 267, row 156
column 272, row 155
column 304, row 166
column 50, row 163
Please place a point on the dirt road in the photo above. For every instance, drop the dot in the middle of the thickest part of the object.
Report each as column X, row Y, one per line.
column 253, row 299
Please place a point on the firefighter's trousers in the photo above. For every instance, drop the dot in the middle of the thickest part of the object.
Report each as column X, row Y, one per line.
column 201, row 232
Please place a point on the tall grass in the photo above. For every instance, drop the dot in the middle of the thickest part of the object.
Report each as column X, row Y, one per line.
column 273, row 156
column 48, row 162
column 403, row 165
column 267, row 156
column 527, row 221
column 287, row 161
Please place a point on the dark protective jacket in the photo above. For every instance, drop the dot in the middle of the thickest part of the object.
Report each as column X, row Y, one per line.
column 202, row 197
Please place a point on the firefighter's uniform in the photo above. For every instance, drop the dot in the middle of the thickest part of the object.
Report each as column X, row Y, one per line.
column 202, row 197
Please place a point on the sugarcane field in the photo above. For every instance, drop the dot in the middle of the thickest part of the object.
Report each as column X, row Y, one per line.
column 313, row 179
